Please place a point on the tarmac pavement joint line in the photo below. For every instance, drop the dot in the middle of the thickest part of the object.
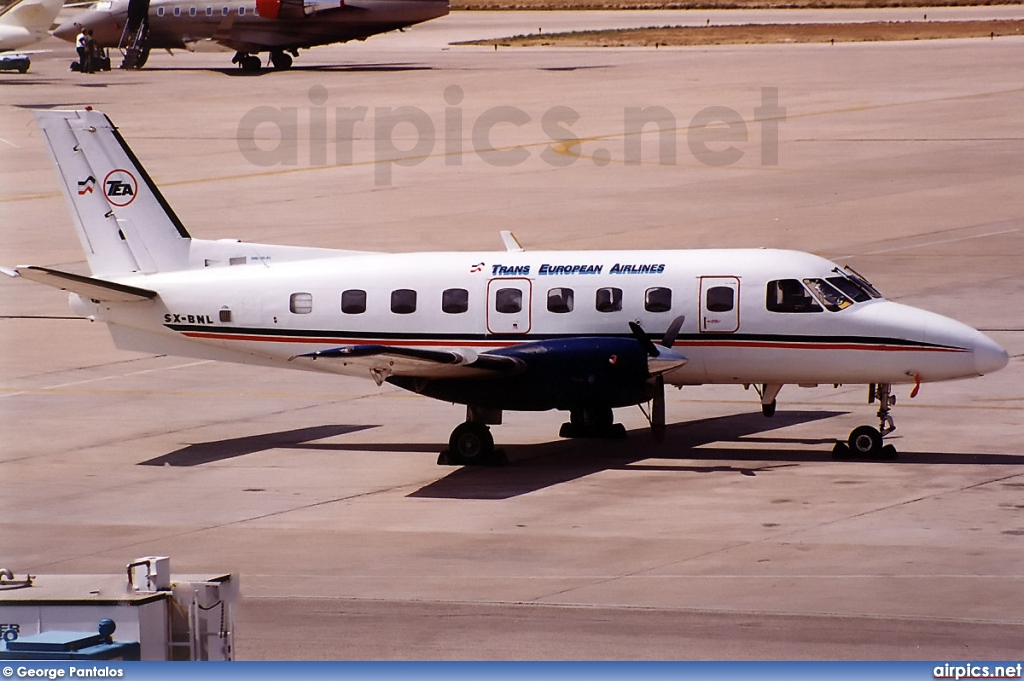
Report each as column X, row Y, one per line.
column 774, row 537
column 528, row 145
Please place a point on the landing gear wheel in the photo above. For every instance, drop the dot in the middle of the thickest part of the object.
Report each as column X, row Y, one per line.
column 865, row 441
column 143, row 57
column 281, row 60
column 595, row 417
column 248, row 62
column 594, row 422
column 769, row 409
column 471, row 444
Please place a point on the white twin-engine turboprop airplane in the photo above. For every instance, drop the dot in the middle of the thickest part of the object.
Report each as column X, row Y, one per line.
column 580, row 331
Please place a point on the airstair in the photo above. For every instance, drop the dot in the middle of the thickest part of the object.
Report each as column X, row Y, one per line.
column 134, row 44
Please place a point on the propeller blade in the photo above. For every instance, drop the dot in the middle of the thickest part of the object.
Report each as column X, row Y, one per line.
column 646, row 343
column 658, row 410
column 673, row 331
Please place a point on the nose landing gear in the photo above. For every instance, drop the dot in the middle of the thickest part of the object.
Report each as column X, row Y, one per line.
column 866, row 441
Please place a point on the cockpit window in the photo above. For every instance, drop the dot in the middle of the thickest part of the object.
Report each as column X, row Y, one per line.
column 850, row 288
column 859, row 279
column 789, row 295
column 828, row 295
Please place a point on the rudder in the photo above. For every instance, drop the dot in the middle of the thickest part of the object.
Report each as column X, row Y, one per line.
column 123, row 221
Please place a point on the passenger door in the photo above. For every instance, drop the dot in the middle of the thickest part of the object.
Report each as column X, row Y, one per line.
column 720, row 304
column 509, row 305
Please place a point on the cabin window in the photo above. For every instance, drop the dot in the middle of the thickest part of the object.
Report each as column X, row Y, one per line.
column 353, row 301
column 177, row 11
column 828, row 295
column 159, row 11
column 301, row 303
column 720, row 299
column 455, row 300
column 658, row 299
column 224, row 11
column 403, row 301
column 225, row 315
column 608, row 299
column 508, row 300
column 241, row 11
column 191, row 11
column 560, row 300
column 209, row 11
column 789, row 295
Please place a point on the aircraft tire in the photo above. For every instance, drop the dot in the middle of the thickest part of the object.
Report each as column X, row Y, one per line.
column 471, row 444
column 769, row 409
column 865, row 441
column 591, row 418
column 251, row 63
column 281, row 60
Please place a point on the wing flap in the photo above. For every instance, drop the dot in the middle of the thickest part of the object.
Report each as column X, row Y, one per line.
column 89, row 287
column 386, row 360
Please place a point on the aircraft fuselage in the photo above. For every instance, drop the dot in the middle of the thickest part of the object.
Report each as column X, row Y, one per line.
column 238, row 25
column 267, row 312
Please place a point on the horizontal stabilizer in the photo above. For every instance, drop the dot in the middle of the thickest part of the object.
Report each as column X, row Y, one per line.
column 89, row 287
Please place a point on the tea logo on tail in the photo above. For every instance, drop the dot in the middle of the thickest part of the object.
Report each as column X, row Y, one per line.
column 120, row 187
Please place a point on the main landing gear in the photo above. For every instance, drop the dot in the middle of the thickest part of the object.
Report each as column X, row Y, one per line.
column 247, row 62
column 593, row 422
column 279, row 59
column 471, row 443
column 866, row 441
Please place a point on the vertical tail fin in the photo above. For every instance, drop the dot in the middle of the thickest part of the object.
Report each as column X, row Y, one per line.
column 32, row 15
column 124, row 223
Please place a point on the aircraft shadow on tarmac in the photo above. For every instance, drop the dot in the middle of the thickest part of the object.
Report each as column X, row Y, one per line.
column 537, row 466
column 234, row 71
column 219, row 450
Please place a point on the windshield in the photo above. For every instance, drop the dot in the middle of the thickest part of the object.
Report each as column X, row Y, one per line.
column 817, row 294
column 829, row 296
column 858, row 280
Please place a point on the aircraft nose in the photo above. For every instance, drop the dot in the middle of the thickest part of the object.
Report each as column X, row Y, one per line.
column 989, row 356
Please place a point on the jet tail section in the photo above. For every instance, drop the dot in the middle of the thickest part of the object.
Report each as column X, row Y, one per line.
column 36, row 15
column 123, row 221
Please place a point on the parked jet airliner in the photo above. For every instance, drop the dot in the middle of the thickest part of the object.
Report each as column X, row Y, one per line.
column 278, row 27
column 580, row 331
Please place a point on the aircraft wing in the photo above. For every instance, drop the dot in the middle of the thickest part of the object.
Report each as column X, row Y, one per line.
column 386, row 360
column 89, row 287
